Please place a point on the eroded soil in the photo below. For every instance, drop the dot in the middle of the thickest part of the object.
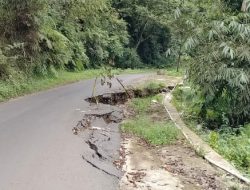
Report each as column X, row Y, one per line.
column 172, row 167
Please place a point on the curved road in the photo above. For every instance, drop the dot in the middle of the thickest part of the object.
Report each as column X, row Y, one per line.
column 37, row 148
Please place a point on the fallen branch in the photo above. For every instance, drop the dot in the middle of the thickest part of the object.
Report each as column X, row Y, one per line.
column 120, row 82
column 93, row 91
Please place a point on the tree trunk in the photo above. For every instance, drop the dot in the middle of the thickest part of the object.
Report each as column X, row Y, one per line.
column 179, row 59
column 244, row 6
column 178, row 63
column 140, row 38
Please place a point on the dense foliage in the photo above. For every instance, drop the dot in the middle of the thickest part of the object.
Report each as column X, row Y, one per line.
column 216, row 42
column 232, row 143
column 148, row 28
column 223, row 71
column 39, row 37
column 47, row 35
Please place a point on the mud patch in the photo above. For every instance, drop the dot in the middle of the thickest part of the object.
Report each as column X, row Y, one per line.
column 143, row 169
column 192, row 170
column 174, row 167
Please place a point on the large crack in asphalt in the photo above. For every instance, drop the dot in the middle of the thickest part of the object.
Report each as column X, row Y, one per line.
column 95, row 148
column 99, row 128
column 100, row 132
column 95, row 166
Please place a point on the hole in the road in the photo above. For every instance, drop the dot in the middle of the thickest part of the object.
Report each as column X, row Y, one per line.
column 110, row 98
column 115, row 116
column 117, row 98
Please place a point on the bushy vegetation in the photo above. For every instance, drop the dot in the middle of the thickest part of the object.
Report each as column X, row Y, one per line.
column 40, row 37
column 215, row 43
column 215, row 103
column 232, row 143
column 14, row 88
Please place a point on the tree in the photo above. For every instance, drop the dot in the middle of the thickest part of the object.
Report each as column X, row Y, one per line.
column 221, row 67
column 147, row 27
column 184, row 30
column 245, row 5
column 47, row 35
column 19, row 22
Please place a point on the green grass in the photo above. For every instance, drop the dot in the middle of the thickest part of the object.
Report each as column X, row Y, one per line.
column 234, row 147
column 152, row 86
column 15, row 88
column 171, row 71
column 142, row 105
column 19, row 87
column 154, row 132
column 232, row 144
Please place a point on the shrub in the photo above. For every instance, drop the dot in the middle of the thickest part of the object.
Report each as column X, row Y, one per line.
column 4, row 66
column 235, row 146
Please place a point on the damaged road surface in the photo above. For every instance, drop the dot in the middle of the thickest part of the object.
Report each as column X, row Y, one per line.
column 38, row 150
column 99, row 129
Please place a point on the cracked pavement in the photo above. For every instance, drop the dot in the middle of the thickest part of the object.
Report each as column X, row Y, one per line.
column 38, row 150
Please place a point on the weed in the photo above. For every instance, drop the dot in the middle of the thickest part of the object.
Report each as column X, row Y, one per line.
column 200, row 152
column 142, row 105
column 160, row 132
column 236, row 148
column 213, row 139
column 22, row 86
column 171, row 71
column 156, row 133
column 26, row 85
column 234, row 145
column 154, row 86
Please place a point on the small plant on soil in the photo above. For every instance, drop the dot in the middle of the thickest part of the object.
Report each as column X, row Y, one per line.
column 151, row 122
column 200, row 152
column 142, row 105
column 155, row 133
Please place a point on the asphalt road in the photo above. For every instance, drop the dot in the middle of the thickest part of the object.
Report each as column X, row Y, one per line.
column 37, row 148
